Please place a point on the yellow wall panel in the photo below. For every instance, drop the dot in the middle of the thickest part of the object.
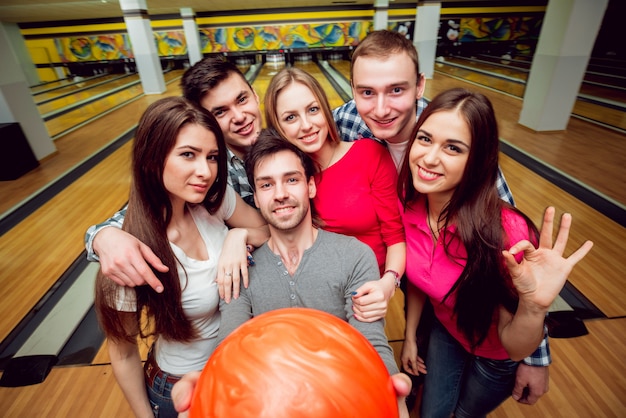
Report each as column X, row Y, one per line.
column 102, row 27
column 261, row 19
column 43, row 51
column 473, row 11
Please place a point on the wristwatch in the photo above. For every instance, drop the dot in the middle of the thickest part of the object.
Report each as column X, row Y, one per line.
column 396, row 276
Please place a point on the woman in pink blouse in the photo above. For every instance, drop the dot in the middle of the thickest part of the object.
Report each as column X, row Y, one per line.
column 474, row 257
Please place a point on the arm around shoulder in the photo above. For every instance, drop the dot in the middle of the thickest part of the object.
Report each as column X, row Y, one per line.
column 123, row 258
column 115, row 221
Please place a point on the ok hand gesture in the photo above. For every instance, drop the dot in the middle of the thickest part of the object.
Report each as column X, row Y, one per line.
column 543, row 271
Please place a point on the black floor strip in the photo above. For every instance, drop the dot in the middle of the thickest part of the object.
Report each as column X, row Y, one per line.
column 26, row 209
column 69, row 83
column 601, row 102
column 587, row 196
column 84, row 343
column 18, row 336
column 583, row 307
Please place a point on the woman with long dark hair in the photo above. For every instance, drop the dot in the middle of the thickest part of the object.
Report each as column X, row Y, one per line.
column 487, row 271
column 180, row 206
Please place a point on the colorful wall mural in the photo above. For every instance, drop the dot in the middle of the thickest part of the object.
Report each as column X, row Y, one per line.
column 509, row 35
column 230, row 39
column 499, row 29
column 94, row 48
column 259, row 38
column 273, row 37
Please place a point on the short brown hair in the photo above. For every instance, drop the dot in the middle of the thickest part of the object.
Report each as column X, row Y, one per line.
column 205, row 75
column 384, row 43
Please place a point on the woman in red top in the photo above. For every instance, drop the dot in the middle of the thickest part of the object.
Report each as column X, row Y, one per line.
column 356, row 181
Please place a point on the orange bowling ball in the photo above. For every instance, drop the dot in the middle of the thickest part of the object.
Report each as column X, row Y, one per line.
column 294, row 363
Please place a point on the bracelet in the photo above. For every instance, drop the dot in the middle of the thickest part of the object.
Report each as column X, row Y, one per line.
column 396, row 276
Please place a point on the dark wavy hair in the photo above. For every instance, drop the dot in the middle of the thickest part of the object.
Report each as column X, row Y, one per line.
column 149, row 213
column 475, row 209
column 204, row 75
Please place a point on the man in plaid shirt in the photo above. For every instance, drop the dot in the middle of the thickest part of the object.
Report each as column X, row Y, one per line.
column 387, row 87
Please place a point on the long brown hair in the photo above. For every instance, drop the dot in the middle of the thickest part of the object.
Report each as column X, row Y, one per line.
column 475, row 209
column 148, row 214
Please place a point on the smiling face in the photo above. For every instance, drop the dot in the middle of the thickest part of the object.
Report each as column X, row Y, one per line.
column 236, row 107
column 301, row 119
column 283, row 191
column 439, row 154
column 385, row 91
column 191, row 165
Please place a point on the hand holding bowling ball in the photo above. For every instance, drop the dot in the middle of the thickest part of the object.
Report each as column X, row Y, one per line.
column 295, row 362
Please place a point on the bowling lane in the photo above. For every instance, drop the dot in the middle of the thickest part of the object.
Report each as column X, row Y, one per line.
column 52, row 94
column 601, row 104
column 333, row 97
column 40, row 88
column 67, row 121
column 63, row 101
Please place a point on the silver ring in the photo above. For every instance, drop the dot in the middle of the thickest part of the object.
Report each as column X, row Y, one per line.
column 228, row 274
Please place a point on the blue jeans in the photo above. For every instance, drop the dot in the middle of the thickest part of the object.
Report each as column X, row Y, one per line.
column 460, row 383
column 160, row 397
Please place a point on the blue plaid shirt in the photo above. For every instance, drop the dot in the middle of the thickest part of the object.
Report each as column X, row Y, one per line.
column 351, row 127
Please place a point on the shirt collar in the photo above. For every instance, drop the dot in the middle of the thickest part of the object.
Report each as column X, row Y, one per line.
column 231, row 156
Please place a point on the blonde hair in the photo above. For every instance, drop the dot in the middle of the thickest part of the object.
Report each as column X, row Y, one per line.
column 285, row 78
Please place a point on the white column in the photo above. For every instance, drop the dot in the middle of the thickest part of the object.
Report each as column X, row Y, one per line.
column 194, row 50
column 381, row 14
column 21, row 52
column 16, row 100
column 425, row 36
column 567, row 37
column 143, row 45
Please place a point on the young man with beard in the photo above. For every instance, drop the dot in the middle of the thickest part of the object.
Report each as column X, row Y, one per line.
column 301, row 265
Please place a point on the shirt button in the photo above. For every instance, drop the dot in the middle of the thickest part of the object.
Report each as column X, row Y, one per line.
column 292, row 296
column 292, row 283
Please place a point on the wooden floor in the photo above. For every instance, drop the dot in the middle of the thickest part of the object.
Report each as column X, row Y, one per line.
column 587, row 378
